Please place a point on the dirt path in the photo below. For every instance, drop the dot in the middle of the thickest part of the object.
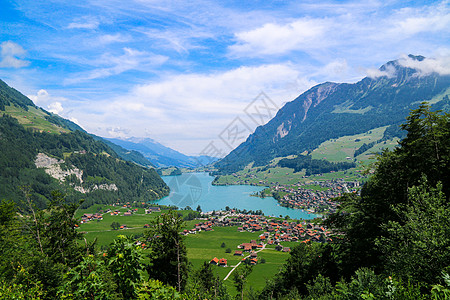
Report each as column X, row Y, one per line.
column 231, row 271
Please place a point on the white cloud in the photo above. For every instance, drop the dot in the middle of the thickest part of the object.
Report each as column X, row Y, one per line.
column 86, row 22
column 55, row 107
column 11, row 54
column 411, row 21
column 273, row 38
column 117, row 132
column 389, row 72
column 51, row 103
column 112, row 38
column 188, row 111
column 109, row 64
column 440, row 65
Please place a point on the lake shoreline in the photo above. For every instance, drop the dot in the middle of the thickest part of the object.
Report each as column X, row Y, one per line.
column 196, row 189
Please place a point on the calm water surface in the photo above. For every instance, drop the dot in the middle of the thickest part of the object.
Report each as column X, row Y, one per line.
column 193, row 189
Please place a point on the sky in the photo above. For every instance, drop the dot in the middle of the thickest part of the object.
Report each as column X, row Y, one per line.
column 199, row 76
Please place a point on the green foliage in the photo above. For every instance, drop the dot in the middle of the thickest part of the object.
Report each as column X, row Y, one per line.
column 26, row 289
column 319, row 287
column 125, row 264
column 168, row 258
column 156, row 290
column 364, row 147
column 415, row 246
column 205, row 284
column 59, row 237
column 240, row 278
column 314, row 166
column 115, row 225
column 88, row 280
column 439, row 292
column 306, row 261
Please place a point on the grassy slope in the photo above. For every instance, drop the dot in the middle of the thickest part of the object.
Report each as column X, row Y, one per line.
column 33, row 118
column 336, row 150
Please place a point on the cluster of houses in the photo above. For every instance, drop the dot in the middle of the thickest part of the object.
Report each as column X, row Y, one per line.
column 205, row 226
column 276, row 232
column 315, row 201
column 99, row 215
column 219, row 262
column 273, row 231
column 90, row 217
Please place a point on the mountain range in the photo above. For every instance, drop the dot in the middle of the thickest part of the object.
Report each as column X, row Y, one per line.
column 332, row 110
column 160, row 155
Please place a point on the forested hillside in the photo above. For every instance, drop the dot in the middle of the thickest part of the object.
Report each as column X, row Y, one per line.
column 72, row 160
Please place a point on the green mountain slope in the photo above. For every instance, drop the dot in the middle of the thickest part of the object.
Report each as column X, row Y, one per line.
column 332, row 110
column 41, row 152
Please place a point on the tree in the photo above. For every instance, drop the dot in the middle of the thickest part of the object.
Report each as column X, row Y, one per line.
column 60, row 237
column 168, row 258
column 223, row 245
column 89, row 280
column 240, row 278
column 199, row 209
column 115, row 225
column 416, row 245
column 125, row 264
column 156, row 290
column 205, row 284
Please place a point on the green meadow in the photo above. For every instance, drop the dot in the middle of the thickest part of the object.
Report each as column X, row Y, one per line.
column 33, row 118
column 201, row 247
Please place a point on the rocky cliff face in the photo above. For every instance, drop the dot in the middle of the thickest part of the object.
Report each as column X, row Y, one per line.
column 53, row 168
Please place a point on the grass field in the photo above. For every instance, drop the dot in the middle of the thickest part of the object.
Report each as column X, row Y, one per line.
column 339, row 149
column 207, row 245
column 33, row 118
column 201, row 247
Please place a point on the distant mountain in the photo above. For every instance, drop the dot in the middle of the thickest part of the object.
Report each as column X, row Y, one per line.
column 332, row 110
column 160, row 155
column 41, row 152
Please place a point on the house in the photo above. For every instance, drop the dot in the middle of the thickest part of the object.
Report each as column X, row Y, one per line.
column 223, row 262
column 253, row 261
column 238, row 253
column 152, row 209
column 214, row 261
column 128, row 213
column 286, row 249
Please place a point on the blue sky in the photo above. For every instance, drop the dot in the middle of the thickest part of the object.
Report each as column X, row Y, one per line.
column 181, row 72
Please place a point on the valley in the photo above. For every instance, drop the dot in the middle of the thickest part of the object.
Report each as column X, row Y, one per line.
column 341, row 184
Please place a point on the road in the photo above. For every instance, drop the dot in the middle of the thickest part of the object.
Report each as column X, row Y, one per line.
column 231, row 271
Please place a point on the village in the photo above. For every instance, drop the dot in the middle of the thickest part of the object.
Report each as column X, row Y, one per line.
column 273, row 232
column 315, row 200
column 314, row 196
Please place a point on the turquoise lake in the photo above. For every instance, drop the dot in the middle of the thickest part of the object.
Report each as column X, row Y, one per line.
column 193, row 189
